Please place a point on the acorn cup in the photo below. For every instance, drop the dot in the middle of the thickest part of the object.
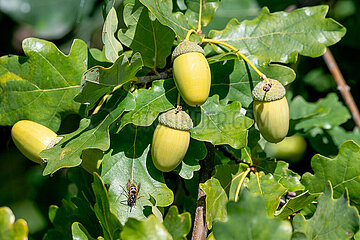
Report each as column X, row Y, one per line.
column 31, row 138
column 171, row 139
column 271, row 110
column 191, row 73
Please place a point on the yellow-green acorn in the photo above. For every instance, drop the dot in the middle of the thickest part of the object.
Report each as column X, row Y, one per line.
column 171, row 139
column 31, row 138
column 191, row 72
column 271, row 110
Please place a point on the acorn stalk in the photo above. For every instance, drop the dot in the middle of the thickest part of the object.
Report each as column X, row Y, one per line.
column 171, row 139
column 191, row 73
column 271, row 110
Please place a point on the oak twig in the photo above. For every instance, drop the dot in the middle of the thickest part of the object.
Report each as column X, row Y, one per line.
column 200, row 229
column 342, row 86
column 163, row 75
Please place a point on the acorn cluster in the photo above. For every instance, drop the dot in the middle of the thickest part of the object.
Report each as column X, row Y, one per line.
column 171, row 138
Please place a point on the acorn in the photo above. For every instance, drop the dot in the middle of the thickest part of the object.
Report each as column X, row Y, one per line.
column 191, row 73
column 271, row 110
column 171, row 139
column 31, row 138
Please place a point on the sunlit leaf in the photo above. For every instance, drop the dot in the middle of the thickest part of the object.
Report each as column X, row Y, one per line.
column 247, row 219
column 295, row 204
column 281, row 36
column 93, row 132
column 218, row 122
column 159, row 38
column 208, row 9
column 326, row 113
column 343, row 172
column 164, row 14
column 109, row 222
column 98, row 81
column 234, row 80
column 339, row 135
column 268, row 188
column 197, row 151
column 334, row 219
column 9, row 229
column 44, row 82
column 178, row 225
column 79, row 232
column 150, row 102
column 287, row 177
column 112, row 46
column 147, row 229
column 220, row 189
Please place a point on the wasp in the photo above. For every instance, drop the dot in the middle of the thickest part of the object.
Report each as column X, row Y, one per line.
column 131, row 192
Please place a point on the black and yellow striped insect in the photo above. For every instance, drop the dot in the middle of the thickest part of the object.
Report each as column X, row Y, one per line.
column 132, row 193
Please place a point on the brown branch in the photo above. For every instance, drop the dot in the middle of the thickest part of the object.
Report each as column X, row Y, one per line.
column 163, row 75
column 342, row 86
column 200, row 229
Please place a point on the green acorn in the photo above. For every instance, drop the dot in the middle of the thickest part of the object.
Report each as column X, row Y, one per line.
column 31, row 138
column 271, row 110
column 171, row 139
column 191, row 73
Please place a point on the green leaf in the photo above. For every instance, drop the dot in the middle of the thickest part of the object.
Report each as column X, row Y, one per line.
column 111, row 45
column 109, row 222
column 197, row 151
column 150, row 102
column 98, row 81
column 44, row 82
column 268, row 188
column 234, row 80
column 295, row 204
column 163, row 12
column 209, row 8
column 333, row 219
column 130, row 160
column 241, row 10
column 343, row 172
column 326, row 113
column 9, row 229
column 247, row 219
column 281, row 36
column 320, row 81
column 159, row 38
column 178, row 225
column 220, row 189
column 219, row 121
column 92, row 133
column 287, row 178
column 147, row 229
column 79, row 232
column 339, row 135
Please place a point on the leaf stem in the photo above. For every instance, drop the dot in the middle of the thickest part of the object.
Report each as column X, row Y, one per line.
column 178, row 100
column 103, row 99
column 189, row 33
column 237, row 51
column 200, row 13
column 242, row 179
